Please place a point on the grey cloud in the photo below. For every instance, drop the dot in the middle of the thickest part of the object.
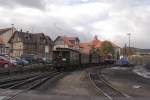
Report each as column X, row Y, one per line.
column 134, row 21
column 59, row 27
column 29, row 3
column 70, row 2
column 53, row 27
column 41, row 3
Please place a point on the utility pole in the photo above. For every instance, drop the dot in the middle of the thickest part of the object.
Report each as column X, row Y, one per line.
column 129, row 49
column 129, row 34
column 125, row 50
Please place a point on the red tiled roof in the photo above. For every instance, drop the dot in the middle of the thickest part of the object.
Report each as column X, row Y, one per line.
column 85, row 48
column 69, row 40
column 96, row 43
column 85, row 45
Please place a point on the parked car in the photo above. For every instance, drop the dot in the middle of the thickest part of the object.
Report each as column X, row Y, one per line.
column 5, row 56
column 21, row 61
column 4, row 62
column 29, row 57
column 25, row 62
column 13, row 60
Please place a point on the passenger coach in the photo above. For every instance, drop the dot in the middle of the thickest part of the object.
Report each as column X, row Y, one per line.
column 64, row 58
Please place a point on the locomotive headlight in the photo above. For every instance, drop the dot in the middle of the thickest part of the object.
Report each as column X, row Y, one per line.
column 63, row 59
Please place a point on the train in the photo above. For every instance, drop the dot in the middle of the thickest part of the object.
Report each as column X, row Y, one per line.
column 67, row 59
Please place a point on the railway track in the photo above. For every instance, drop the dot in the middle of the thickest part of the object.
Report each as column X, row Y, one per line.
column 28, row 83
column 34, row 82
column 11, row 81
column 23, row 81
column 105, row 88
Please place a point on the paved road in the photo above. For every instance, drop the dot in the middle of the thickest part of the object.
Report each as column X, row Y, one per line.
column 74, row 83
column 127, row 81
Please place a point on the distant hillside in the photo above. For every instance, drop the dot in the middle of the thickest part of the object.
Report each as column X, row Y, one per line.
column 143, row 50
column 134, row 50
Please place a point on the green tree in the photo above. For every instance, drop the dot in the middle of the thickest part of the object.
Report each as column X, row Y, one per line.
column 106, row 48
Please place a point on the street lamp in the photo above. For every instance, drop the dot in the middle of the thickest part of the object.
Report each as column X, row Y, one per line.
column 129, row 34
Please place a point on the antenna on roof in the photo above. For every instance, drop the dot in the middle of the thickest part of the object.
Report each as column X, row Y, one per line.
column 27, row 32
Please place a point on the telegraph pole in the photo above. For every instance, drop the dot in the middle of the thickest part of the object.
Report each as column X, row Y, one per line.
column 129, row 35
column 125, row 50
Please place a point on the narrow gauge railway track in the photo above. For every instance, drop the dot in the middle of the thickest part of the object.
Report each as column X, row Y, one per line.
column 9, row 82
column 32, row 83
column 19, row 82
column 105, row 88
column 18, row 78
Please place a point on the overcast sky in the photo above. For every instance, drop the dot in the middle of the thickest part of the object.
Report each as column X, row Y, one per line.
column 109, row 19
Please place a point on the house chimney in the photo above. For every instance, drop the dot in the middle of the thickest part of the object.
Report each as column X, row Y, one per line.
column 96, row 37
column 21, row 30
column 27, row 32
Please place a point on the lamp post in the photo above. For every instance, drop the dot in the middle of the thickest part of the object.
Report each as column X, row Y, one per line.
column 125, row 50
column 129, row 35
